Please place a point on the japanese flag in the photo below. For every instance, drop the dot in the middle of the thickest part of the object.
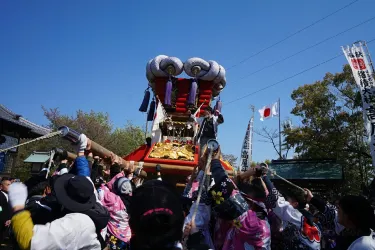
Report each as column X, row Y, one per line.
column 269, row 111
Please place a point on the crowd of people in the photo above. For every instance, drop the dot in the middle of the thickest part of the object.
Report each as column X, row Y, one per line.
column 85, row 206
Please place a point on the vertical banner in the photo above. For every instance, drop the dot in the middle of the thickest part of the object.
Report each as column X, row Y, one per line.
column 247, row 147
column 363, row 76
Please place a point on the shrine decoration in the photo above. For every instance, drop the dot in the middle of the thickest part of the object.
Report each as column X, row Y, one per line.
column 173, row 134
column 151, row 111
column 145, row 102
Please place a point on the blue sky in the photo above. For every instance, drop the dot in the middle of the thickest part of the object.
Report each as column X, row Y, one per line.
column 92, row 54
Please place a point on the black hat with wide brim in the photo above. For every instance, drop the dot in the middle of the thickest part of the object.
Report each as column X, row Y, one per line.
column 75, row 193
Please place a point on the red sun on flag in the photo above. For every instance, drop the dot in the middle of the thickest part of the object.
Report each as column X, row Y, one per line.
column 267, row 112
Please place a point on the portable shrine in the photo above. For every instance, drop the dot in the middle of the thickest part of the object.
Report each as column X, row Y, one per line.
column 175, row 101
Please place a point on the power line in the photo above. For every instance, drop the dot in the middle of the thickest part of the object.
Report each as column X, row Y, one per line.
column 295, row 33
column 290, row 77
column 310, row 47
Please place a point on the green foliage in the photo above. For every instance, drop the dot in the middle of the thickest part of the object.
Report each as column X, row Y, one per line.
column 126, row 139
column 332, row 126
column 96, row 125
column 254, row 164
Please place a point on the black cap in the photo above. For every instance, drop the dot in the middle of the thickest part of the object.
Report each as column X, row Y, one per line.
column 75, row 193
column 60, row 154
column 114, row 170
column 208, row 108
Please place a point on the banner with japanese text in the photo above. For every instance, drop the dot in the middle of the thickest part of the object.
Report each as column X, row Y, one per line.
column 246, row 148
column 363, row 75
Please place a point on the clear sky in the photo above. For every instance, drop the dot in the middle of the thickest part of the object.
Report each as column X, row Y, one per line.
column 92, row 54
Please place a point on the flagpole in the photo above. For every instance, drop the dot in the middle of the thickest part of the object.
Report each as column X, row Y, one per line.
column 281, row 155
column 196, row 112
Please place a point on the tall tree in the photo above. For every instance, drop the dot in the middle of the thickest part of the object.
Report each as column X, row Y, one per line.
column 99, row 128
column 332, row 126
column 96, row 125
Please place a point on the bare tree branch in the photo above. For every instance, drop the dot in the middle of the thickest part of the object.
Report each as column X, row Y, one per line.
column 271, row 136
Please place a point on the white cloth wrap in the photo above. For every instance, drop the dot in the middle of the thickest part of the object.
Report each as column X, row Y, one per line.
column 210, row 71
column 157, row 67
column 17, row 194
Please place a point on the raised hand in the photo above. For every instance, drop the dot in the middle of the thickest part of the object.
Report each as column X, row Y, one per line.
column 217, row 154
column 308, row 194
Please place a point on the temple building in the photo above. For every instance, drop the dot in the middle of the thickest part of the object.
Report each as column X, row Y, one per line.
column 320, row 176
column 13, row 128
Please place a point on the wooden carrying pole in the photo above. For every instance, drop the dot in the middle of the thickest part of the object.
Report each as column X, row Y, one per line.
column 186, row 169
column 96, row 149
column 71, row 156
column 102, row 152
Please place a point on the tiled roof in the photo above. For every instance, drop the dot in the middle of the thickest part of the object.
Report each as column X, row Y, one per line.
column 38, row 157
column 14, row 118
